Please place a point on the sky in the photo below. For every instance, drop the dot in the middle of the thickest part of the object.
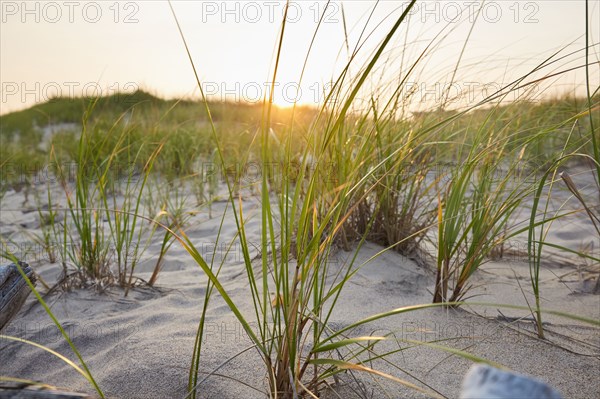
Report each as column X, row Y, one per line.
column 50, row 48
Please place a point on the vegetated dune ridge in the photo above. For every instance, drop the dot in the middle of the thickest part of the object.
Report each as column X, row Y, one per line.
column 140, row 346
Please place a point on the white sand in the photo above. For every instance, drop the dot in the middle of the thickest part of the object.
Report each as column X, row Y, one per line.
column 141, row 346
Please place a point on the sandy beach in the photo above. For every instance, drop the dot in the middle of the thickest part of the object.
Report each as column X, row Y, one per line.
column 140, row 346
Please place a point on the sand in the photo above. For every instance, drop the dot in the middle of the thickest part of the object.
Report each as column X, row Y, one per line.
column 140, row 346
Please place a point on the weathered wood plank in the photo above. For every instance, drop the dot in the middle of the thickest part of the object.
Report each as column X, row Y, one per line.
column 13, row 290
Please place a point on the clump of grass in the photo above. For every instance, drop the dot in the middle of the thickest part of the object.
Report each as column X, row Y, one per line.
column 403, row 190
column 103, row 201
column 475, row 207
column 290, row 295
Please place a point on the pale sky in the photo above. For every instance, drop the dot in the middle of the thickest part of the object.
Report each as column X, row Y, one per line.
column 50, row 47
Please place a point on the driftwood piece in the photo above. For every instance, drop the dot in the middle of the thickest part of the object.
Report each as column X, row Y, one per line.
column 13, row 290
column 485, row 382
